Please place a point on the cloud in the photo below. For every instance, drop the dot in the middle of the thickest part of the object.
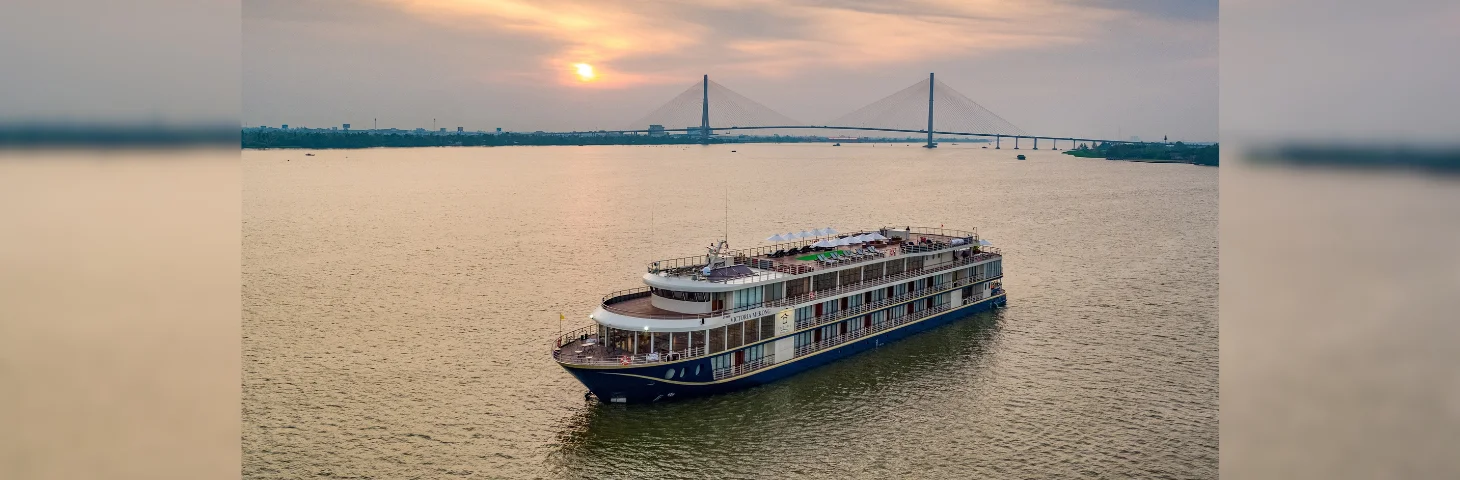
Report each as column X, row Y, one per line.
column 637, row 43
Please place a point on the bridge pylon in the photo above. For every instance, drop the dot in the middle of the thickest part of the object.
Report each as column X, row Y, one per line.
column 931, row 85
column 705, row 111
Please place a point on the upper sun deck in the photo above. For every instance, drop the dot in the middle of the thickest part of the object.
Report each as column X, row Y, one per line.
column 784, row 260
column 791, row 278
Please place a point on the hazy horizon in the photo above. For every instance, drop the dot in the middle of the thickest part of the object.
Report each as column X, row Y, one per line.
column 1058, row 68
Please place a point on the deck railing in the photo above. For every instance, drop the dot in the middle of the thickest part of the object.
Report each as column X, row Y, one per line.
column 622, row 295
column 692, row 264
column 600, row 353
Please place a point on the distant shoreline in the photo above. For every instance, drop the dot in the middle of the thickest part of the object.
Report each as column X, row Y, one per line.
column 326, row 140
column 1205, row 155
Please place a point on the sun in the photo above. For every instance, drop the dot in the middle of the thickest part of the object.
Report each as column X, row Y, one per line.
column 585, row 72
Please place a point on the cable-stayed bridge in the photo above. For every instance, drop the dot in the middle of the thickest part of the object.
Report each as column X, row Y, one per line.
column 929, row 107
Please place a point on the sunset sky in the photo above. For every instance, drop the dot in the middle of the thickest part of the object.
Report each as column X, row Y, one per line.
column 1052, row 67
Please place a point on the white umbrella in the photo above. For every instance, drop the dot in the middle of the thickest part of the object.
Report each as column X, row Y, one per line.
column 820, row 232
column 983, row 243
column 829, row 231
column 824, row 243
column 806, row 234
column 776, row 238
column 842, row 242
column 866, row 237
column 876, row 236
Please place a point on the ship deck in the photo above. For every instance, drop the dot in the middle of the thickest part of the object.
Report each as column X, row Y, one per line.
column 775, row 259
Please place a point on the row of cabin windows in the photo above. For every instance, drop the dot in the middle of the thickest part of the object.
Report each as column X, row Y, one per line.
column 721, row 363
column 830, row 280
column 750, row 331
column 717, row 339
column 874, row 319
column 733, row 336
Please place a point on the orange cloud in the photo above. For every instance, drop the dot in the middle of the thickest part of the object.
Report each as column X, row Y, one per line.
column 605, row 33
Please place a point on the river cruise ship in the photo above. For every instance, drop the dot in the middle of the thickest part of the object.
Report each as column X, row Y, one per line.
column 731, row 319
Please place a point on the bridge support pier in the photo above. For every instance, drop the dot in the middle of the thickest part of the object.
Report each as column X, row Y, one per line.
column 996, row 142
column 1036, row 143
column 1016, row 143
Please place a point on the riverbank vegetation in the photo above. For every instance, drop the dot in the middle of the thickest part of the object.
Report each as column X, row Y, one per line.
column 1151, row 152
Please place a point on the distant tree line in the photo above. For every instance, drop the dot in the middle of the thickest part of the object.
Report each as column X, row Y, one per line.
column 322, row 140
column 278, row 138
column 1151, row 152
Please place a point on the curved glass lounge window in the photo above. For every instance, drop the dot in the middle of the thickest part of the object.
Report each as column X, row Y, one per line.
column 682, row 296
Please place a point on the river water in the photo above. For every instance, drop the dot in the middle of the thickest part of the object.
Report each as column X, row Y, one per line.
column 398, row 306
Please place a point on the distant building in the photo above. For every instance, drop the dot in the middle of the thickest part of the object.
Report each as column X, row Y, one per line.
column 347, row 126
column 334, row 128
column 499, row 130
column 443, row 129
column 656, row 130
column 284, row 127
column 459, row 130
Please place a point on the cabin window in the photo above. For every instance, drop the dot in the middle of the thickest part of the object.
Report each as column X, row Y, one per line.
column 698, row 338
column 805, row 313
column 872, row 272
column 824, row 282
column 643, row 339
column 660, row 342
column 854, row 324
column 622, row 340
column 754, row 353
column 748, row 296
column 960, row 274
column 803, row 339
column 879, row 317
column 996, row 268
column 854, row 301
column 682, row 296
column 717, row 340
column 722, row 363
column 829, row 307
column 828, row 331
column 775, row 291
column 734, row 335
column 895, row 267
column 679, row 341
column 900, row 289
column 798, row 287
column 898, row 312
column 767, row 327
